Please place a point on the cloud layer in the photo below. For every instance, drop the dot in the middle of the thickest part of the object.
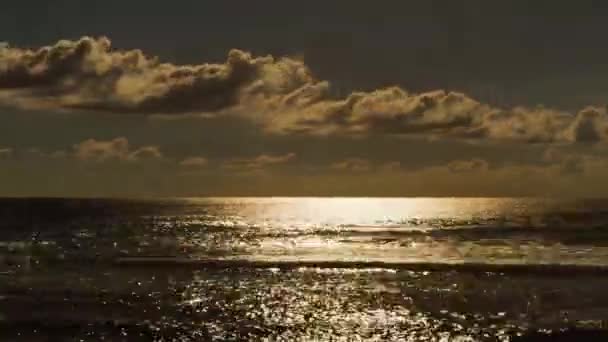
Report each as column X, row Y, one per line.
column 280, row 94
column 440, row 114
column 5, row 152
column 468, row 165
column 194, row 162
column 116, row 149
column 258, row 162
column 352, row 164
column 88, row 74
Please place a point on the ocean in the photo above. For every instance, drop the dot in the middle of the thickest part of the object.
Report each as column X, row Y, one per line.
column 303, row 269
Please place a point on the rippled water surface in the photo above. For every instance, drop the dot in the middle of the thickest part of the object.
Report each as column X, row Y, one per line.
column 304, row 269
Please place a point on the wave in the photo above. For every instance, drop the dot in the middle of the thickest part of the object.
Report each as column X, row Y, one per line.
column 571, row 235
column 511, row 269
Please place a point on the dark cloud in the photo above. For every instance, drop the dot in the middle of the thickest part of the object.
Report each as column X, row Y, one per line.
column 588, row 126
column 281, row 95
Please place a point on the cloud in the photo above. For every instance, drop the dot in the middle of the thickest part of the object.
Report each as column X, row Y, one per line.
column 279, row 94
column 364, row 165
column 522, row 178
column 258, row 162
column 474, row 177
column 194, row 162
column 352, row 164
column 116, row 149
column 89, row 74
column 5, row 152
column 361, row 165
column 589, row 125
column 391, row 166
column 468, row 165
column 569, row 163
column 145, row 153
column 439, row 114
column 35, row 152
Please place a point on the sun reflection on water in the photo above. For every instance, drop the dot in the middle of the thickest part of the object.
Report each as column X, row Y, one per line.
column 312, row 268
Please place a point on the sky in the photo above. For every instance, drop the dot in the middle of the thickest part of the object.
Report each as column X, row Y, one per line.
column 316, row 98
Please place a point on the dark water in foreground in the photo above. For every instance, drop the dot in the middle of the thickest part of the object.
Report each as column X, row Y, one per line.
column 305, row 269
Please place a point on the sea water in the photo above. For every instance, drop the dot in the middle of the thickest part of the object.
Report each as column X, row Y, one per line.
column 301, row 269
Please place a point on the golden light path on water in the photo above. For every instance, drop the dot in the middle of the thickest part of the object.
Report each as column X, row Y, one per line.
column 338, row 304
column 364, row 210
column 392, row 230
column 359, row 303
